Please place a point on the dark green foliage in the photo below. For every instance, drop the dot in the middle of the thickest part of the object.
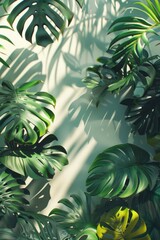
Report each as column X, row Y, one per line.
column 37, row 160
column 121, row 171
column 144, row 113
column 48, row 16
column 31, row 226
column 24, row 115
column 77, row 218
column 148, row 204
column 11, row 194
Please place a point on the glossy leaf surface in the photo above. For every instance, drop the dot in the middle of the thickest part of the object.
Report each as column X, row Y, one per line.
column 24, row 115
column 38, row 160
column 47, row 18
column 133, row 37
column 121, row 171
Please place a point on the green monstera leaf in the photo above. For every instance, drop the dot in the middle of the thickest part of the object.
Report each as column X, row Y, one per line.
column 77, row 218
column 37, row 160
column 11, row 193
column 122, row 223
column 24, row 115
column 47, row 18
column 121, row 171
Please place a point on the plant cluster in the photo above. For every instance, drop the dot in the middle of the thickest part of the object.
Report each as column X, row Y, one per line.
column 124, row 177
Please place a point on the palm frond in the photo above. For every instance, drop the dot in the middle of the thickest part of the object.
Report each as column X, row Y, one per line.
column 133, row 32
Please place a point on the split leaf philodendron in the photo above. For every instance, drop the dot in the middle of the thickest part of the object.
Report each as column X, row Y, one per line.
column 24, row 115
column 121, row 171
column 122, row 223
column 50, row 17
column 36, row 160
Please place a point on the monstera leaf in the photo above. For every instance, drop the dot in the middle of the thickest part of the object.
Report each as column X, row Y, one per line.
column 77, row 219
column 37, row 160
column 11, row 193
column 122, row 223
column 48, row 16
column 24, row 115
column 133, row 31
column 121, row 171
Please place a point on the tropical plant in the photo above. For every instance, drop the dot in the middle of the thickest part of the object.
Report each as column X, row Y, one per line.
column 122, row 223
column 131, row 66
column 121, row 171
column 23, row 119
column 122, row 174
column 147, row 204
column 36, row 160
column 77, row 219
column 11, row 194
column 143, row 113
column 31, row 226
column 49, row 17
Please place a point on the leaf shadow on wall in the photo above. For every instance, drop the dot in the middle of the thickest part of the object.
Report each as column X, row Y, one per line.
column 84, row 38
column 105, row 123
column 84, row 41
column 24, row 67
